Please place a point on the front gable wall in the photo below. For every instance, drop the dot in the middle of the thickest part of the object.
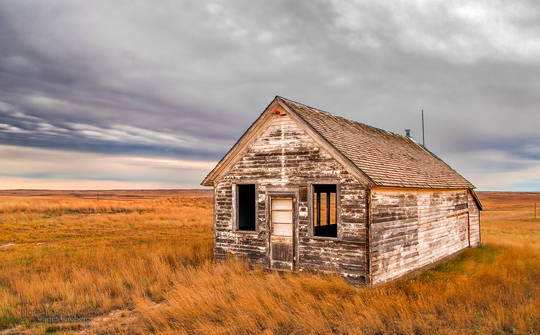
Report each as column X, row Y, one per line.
column 284, row 156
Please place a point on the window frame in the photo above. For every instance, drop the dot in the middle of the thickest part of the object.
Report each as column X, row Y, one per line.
column 311, row 207
column 236, row 217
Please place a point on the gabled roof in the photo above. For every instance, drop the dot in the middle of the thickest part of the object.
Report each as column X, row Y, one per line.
column 385, row 158
column 388, row 159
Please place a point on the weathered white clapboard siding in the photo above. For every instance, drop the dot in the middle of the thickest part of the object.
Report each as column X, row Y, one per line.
column 284, row 156
column 411, row 229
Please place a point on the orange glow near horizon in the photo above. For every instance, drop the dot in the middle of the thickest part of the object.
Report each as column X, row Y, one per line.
column 58, row 184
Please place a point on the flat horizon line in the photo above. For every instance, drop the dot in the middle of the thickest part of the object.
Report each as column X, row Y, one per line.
column 208, row 188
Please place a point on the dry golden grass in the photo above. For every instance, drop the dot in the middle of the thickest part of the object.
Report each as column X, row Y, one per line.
column 150, row 258
column 86, row 257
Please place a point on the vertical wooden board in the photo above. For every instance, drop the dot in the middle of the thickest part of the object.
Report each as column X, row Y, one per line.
column 282, row 252
column 302, row 193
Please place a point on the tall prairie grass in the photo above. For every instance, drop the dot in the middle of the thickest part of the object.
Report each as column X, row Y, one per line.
column 71, row 256
column 483, row 291
column 152, row 259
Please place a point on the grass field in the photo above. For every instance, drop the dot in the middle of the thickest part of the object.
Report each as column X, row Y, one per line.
column 141, row 261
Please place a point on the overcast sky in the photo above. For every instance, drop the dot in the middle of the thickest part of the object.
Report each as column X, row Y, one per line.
column 150, row 94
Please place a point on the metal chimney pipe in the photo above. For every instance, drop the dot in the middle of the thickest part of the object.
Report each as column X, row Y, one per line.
column 408, row 133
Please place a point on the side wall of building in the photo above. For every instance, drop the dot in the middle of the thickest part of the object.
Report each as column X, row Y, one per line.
column 411, row 229
column 285, row 157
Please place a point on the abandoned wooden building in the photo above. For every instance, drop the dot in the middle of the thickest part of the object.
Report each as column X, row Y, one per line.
column 305, row 190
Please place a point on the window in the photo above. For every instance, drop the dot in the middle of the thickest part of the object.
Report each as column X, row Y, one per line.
column 324, row 210
column 245, row 202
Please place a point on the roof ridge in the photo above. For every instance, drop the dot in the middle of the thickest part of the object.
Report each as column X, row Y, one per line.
column 344, row 118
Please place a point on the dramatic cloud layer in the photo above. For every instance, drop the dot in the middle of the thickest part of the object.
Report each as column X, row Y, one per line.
column 104, row 82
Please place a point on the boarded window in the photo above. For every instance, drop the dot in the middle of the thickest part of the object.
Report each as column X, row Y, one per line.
column 324, row 210
column 246, row 206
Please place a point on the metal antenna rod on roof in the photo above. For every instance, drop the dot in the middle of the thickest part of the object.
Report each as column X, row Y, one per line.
column 423, row 137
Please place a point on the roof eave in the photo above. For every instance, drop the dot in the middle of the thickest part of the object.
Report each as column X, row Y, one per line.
column 476, row 199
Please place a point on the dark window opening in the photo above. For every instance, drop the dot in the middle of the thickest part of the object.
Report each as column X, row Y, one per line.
column 324, row 210
column 246, row 206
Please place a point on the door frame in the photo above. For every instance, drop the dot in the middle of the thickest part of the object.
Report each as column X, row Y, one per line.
column 282, row 193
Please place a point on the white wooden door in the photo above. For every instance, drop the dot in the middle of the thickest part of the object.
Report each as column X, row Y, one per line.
column 282, row 233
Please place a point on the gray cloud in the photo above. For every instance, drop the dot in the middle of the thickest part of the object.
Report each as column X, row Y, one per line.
column 184, row 80
column 18, row 128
